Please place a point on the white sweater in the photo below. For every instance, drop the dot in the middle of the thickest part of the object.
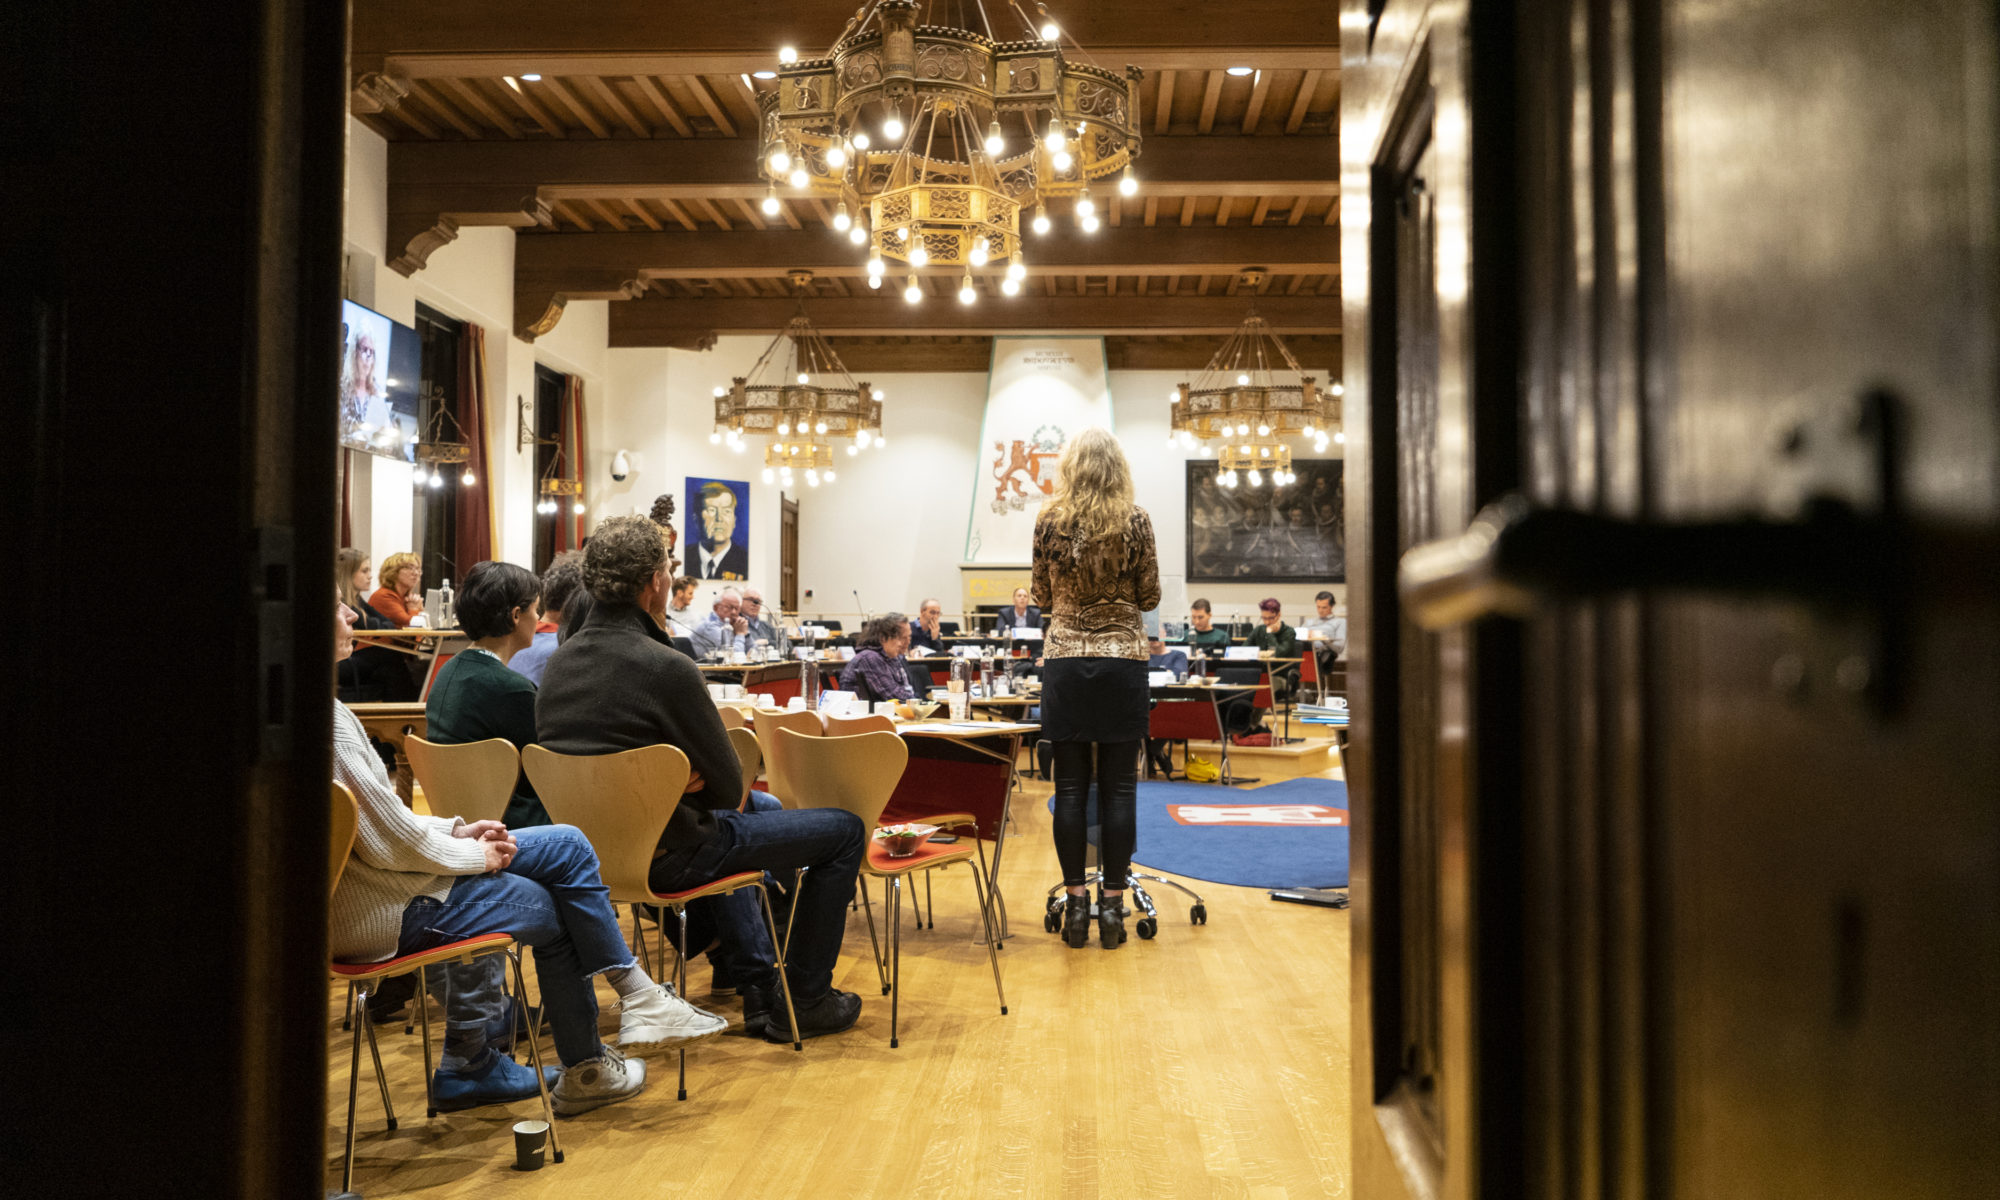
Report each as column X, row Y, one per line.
column 397, row 856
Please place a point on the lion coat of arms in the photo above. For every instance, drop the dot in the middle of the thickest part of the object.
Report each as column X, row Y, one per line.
column 1026, row 470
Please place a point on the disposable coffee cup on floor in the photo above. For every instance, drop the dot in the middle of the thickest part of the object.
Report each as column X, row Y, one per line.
column 531, row 1144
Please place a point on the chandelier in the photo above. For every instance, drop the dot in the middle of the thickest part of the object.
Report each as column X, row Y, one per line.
column 931, row 140
column 803, row 399
column 441, row 447
column 1252, row 396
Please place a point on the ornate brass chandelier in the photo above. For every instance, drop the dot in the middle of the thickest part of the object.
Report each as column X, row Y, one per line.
column 803, row 399
column 442, row 446
column 1252, row 396
column 931, row 139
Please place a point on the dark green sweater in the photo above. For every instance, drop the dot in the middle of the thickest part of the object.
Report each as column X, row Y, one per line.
column 475, row 698
column 1215, row 641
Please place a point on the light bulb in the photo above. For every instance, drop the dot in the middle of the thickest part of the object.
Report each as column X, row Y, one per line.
column 799, row 177
column 893, row 127
column 903, row 233
column 784, row 429
column 736, row 446
column 1263, row 431
column 577, row 508
column 1085, row 205
column 1256, row 477
column 966, row 294
column 1338, row 437
column 836, row 156
column 720, row 392
column 770, row 205
column 781, row 161
column 437, row 480
column 1242, row 380
column 995, row 143
column 820, row 428
column 532, row 77
column 1187, row 439
column 879, row 397
column 787, row 54
column 1056, row 138
column 1089, row 223
column 1049, row 31
column 841, row 221
column 418, row 478
column 860, row 140
column 1339, row 389
column 1041, row 223
column 829, row 474
column 859, row 234
column 1244, row 448
column 1010, row 286
column 804, row 378
column 1128, row 184
column 715, row 439
column 852, row 449
column 812, row 477
column 875, row 282
column 913, row 293
column 875, row 265
column 1016, row 269
column 769, row 475
column 1306, row 432
column 980, row 253
column 1060, row 160
column 863, row 438
column 1221, row 480
column 918, row 255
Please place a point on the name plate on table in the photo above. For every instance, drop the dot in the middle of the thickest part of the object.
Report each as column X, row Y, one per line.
column 1238, row 653
column 1159, row 678
column 1023, row 633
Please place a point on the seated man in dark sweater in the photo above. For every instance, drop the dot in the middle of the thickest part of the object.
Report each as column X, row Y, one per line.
column 616, row 683
column 877, row 671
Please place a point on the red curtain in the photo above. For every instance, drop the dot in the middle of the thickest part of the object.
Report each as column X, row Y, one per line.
column 475, row 504
column 570, row 529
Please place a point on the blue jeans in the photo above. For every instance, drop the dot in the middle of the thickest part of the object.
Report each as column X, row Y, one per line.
column 827, row 840
column 549, row 897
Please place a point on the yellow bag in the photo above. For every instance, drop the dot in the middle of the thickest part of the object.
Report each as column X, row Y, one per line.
column 1200, row 770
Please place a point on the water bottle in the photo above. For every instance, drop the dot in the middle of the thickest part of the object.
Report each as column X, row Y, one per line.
column 809, row 680
column 956, row 691
column 447, row 607
column 985, row 675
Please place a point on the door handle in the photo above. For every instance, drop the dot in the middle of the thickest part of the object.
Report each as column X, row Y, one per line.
column 1516, row 556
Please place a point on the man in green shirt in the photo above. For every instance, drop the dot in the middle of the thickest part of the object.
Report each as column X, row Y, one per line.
column 1205, row 636
column 1282, row 641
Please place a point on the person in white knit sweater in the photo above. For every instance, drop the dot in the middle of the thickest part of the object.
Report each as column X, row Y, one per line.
column 415, row 882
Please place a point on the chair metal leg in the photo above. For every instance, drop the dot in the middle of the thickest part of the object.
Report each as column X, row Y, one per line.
column 535, row 1060
column 930, row 901
column 880, row 952
column 639, row 943
column 992, row 954
column 358, row 1014
column 784, row 984
column 347, row 1015
column 791, row 911
column 374, row 1052
column 424, row 1007
column 895, row 955
column 680, row 978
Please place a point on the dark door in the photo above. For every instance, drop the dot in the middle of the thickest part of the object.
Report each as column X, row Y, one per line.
column 1726, row 920
column 788, row 555
column 437, row 502
column 550, row 386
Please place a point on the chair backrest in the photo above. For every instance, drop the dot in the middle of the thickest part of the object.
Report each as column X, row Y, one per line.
column 947, row 628
column 857, row 773
column 768, row 722
column 750, row 754
column 620, row 801
column 733, row 718
column 473, row 780
column 849, row 726
column 1309, row 664
column 346, row 818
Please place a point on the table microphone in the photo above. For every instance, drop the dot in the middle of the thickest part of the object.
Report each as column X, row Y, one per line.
column 857, row 604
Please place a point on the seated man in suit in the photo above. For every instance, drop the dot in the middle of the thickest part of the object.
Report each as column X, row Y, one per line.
column 614, row 684
column 724, row 628
column 927, row 631
column 877, row 671
column 758, row 625
column 1022, row 616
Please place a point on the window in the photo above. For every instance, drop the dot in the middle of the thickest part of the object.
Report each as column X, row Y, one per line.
column 437, row 507
column 549, row 388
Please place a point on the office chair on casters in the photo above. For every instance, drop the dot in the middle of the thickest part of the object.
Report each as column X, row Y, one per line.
column 1147, row 926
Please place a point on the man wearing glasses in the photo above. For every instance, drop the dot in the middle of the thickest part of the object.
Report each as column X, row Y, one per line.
column 761, row 627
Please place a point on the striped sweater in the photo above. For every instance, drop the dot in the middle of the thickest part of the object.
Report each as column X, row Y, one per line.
column 398, row 855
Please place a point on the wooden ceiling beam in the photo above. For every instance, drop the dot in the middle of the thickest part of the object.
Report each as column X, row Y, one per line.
column 467, row 90
column 657, row 321
column 1163, row 103
column 1303, row 102
column 585, row 115
column 706, row 98
column 1210, row 96
column 650, row 88
column 602, row 92
column 1259, row 89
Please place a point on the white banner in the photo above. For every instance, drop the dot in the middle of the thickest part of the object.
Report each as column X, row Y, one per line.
column 1040, row 393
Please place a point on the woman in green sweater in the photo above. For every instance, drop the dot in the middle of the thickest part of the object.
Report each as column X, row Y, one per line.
column 476, row 696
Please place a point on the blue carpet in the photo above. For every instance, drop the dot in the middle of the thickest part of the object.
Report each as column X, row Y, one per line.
column 1205, row 832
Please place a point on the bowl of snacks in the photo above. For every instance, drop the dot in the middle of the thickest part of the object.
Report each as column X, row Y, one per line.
column 922, row 709
column 901, row 841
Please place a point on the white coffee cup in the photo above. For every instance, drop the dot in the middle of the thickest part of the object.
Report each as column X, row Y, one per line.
column 732, row 691
column 716, row 691
column 796, row 704
column 885, row 708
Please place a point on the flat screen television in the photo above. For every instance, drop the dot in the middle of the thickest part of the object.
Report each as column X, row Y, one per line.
column 379, row 361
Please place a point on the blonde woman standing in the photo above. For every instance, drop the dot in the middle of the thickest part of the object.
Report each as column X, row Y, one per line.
column 1096, row 570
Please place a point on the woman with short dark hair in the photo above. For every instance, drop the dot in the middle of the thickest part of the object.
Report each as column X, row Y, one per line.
column 476, row 696
column 1096, row 570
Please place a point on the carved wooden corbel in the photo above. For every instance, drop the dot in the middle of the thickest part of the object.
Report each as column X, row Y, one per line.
column 376, row 92
column 419, row 243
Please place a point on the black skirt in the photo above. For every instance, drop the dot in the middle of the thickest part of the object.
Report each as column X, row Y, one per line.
column 1094, row 699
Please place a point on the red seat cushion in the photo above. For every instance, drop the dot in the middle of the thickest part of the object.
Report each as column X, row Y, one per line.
column 926, row 854
column 727, row 883
column 390, row 966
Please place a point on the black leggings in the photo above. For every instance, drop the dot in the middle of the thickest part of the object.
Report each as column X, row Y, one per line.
column 1117, row 771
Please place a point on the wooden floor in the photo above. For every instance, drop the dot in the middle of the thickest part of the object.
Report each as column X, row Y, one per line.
column 1210, row 1062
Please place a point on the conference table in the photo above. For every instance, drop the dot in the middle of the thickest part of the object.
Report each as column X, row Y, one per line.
column 425, row 644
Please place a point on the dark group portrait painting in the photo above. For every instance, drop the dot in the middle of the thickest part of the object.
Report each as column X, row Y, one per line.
column 1267, row 534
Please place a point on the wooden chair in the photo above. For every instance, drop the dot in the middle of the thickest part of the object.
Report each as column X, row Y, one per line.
column 474, row 780
column 750, row 754
column 859, row 774
column 733, row 718
column 346, row 817
column 768, row 721
column 955, row 821
column 622, row 802
column 849, row 726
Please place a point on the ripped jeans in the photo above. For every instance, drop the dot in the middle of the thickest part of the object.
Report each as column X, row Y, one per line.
column 549, row 897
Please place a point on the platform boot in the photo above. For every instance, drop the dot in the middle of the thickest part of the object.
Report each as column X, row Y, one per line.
column 1076, row 920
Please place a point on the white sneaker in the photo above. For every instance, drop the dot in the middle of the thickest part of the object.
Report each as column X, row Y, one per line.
column 599, row 1081
column 657, row 1017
